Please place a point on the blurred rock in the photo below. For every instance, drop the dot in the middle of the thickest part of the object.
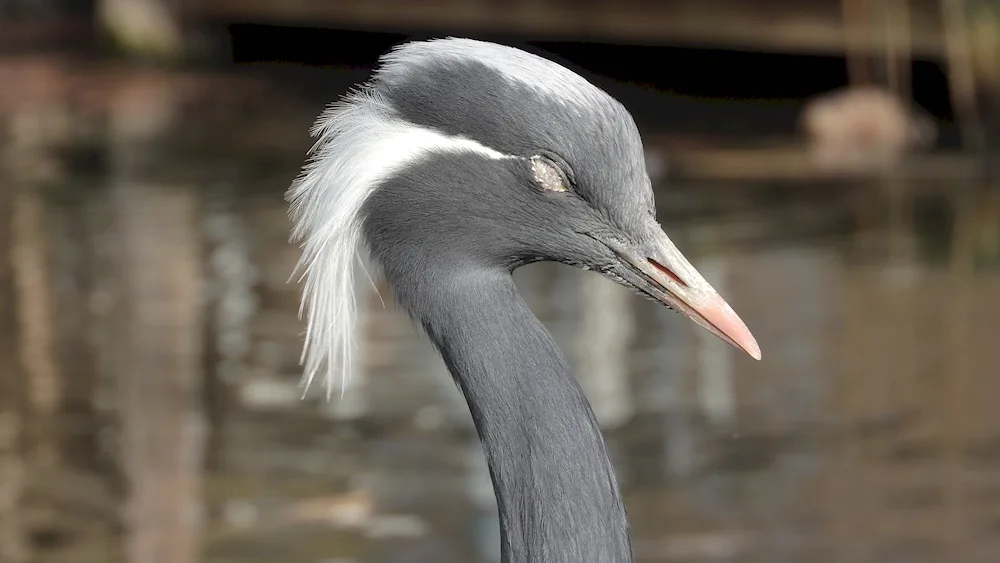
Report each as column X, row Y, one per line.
column 270, row 394
column 863, row 129
column 142, row 27
column 349, row 510
column 396, row 526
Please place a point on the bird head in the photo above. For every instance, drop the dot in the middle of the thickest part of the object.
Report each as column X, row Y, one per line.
column 465, row 152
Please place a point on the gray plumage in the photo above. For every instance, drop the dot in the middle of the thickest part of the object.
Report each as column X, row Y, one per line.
column 459, row 162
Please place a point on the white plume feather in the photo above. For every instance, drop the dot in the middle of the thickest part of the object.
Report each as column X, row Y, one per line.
column 361, row 142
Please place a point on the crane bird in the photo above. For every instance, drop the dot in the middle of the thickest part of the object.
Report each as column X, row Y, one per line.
column 457, row 162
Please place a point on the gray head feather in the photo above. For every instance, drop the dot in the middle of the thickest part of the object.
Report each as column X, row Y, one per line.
column 445, row 96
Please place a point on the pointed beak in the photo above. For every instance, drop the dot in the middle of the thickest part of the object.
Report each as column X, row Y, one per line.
column 662, row 272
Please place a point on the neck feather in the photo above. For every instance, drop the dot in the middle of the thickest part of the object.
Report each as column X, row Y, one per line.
column 555, row 486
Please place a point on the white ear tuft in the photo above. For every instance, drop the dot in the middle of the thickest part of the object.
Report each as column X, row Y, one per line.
column 325, row 202
column 361, row 142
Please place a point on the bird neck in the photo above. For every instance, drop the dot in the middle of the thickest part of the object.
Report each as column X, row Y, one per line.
column 555, row 486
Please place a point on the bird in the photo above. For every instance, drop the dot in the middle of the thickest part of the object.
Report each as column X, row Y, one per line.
column 455, row 163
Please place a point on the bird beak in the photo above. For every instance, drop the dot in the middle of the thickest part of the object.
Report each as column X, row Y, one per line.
column 667, row 276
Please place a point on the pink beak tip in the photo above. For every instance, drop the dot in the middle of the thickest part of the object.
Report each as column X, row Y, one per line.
column 723, row 319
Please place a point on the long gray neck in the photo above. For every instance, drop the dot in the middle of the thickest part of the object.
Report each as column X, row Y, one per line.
column 555, row 486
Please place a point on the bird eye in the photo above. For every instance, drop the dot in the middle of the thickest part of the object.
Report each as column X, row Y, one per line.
column 548, row 175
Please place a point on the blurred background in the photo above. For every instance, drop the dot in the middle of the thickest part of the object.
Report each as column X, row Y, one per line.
column 830, row 166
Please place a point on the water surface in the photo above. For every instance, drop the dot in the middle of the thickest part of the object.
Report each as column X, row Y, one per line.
column 868, row 433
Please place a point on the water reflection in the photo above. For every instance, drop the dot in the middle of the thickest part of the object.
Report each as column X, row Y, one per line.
column 155, row 318
column 602, row 338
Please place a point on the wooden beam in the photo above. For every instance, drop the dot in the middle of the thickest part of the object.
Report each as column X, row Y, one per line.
column 794, row 164
column 808, row 27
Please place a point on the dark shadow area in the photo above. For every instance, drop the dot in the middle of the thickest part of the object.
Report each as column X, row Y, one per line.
column 730, row 94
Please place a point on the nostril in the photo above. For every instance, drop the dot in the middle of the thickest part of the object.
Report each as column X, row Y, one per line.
column 666, row 271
